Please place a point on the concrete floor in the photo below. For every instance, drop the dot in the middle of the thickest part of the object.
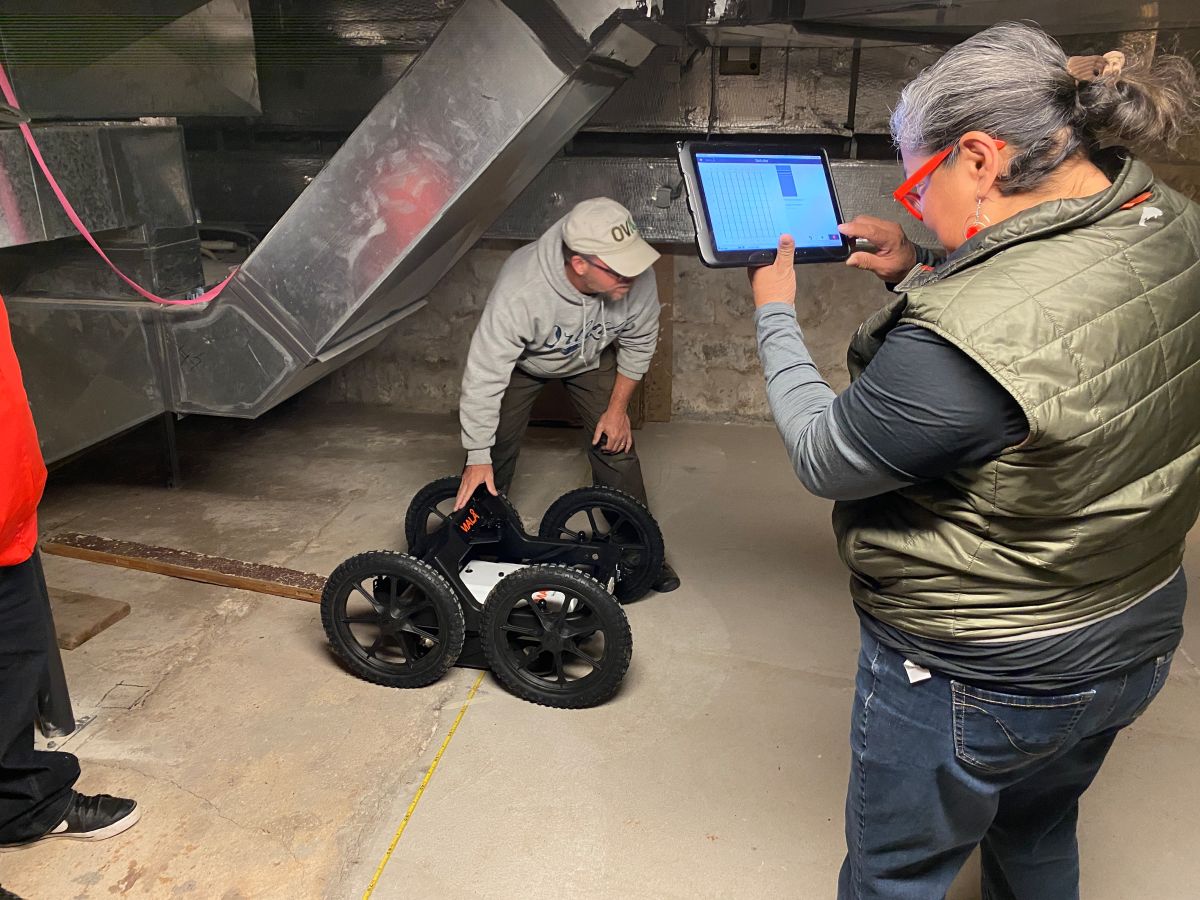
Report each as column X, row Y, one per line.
column 717, row 771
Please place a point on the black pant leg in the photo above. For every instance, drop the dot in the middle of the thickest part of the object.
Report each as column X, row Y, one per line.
column 35, row 786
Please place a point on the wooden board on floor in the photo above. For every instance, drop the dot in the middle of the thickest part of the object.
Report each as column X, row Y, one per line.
column 232, row 573
column 80, row 617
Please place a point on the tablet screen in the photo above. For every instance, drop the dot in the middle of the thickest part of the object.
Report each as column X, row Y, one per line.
column 752, row 200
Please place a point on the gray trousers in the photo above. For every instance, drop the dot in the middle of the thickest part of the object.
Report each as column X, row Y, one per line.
column 589, row 394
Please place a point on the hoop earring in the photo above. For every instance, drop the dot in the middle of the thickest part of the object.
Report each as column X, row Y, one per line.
column 977, row 222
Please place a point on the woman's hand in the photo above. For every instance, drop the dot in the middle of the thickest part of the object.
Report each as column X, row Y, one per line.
column 776, row 283
column 895, row 254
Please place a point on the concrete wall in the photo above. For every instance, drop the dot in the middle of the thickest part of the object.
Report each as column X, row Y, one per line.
column 1180, row 167
column 715, row 371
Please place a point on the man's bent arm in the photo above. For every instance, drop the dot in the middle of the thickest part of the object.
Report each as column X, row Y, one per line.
column 495, row 348
column 622, row 393
column 636, row 345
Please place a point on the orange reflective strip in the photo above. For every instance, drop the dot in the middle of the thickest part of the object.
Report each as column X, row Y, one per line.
column 1140, row 198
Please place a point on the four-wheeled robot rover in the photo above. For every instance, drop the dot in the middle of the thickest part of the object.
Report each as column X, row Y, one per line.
column 542, row 612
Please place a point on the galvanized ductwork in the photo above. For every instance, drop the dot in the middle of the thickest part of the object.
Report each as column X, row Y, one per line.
column 74, row 59
column 414, row 187
column 93, row 360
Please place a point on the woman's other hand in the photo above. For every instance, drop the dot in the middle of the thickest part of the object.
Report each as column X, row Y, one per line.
column 895, row 254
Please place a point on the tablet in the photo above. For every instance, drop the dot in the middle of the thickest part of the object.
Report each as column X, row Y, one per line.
column 743, row 196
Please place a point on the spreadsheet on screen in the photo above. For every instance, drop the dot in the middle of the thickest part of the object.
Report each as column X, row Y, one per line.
column 752, row 200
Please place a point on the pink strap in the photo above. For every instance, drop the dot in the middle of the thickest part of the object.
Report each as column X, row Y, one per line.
column 6, row 87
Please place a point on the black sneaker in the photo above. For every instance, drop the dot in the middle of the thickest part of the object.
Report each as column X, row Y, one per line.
column 7, row 895
column 92, row 819
column 667, row 580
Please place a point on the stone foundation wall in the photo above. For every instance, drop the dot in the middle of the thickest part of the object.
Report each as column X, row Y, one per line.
column 716, row 373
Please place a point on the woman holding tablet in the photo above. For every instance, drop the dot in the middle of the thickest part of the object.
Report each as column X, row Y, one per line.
column 1016, row 463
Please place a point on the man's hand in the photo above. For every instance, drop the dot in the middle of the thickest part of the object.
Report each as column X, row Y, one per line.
column 615, row 424
column 776, row 283
column 473, row 477
column 896, row 254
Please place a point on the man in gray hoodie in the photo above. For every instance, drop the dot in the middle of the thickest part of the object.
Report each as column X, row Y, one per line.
column 579, row 305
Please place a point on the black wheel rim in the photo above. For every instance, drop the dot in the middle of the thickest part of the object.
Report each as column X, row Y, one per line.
column 601, row 522
column 554, row 639
column 391, row 624
column 432, row 515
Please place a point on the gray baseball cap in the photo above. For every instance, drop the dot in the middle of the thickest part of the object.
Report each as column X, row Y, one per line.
column 603, row 228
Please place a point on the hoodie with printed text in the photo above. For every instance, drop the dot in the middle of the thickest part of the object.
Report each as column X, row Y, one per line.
column 536, row 320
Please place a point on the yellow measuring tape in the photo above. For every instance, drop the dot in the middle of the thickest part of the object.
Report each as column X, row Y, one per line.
column 421, row 790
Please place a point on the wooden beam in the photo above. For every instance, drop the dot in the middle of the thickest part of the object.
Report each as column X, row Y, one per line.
column 657, row 383
column 184, row 564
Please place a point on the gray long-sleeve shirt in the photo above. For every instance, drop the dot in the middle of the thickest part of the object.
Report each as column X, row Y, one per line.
column 923, row 408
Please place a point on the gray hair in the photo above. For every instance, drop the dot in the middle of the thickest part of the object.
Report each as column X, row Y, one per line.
column 1011, row 81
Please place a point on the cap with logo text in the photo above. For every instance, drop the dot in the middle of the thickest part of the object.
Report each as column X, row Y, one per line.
column 604, row 228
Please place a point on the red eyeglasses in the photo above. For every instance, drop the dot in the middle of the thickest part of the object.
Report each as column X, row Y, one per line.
column 907, row 196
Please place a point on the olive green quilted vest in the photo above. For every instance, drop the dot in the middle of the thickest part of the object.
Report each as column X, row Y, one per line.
column 1089, row 315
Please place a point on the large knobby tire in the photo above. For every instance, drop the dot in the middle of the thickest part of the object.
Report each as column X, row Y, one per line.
column 392, row 620
column 555, row 636
column 603, row 514
column 428, row 510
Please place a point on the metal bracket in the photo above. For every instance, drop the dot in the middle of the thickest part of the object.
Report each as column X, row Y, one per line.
column 59, row 741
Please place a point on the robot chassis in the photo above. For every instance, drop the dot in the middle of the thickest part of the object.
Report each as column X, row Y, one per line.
column 541, row 611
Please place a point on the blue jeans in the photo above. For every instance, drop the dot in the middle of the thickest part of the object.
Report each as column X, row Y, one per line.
column 938, row 767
